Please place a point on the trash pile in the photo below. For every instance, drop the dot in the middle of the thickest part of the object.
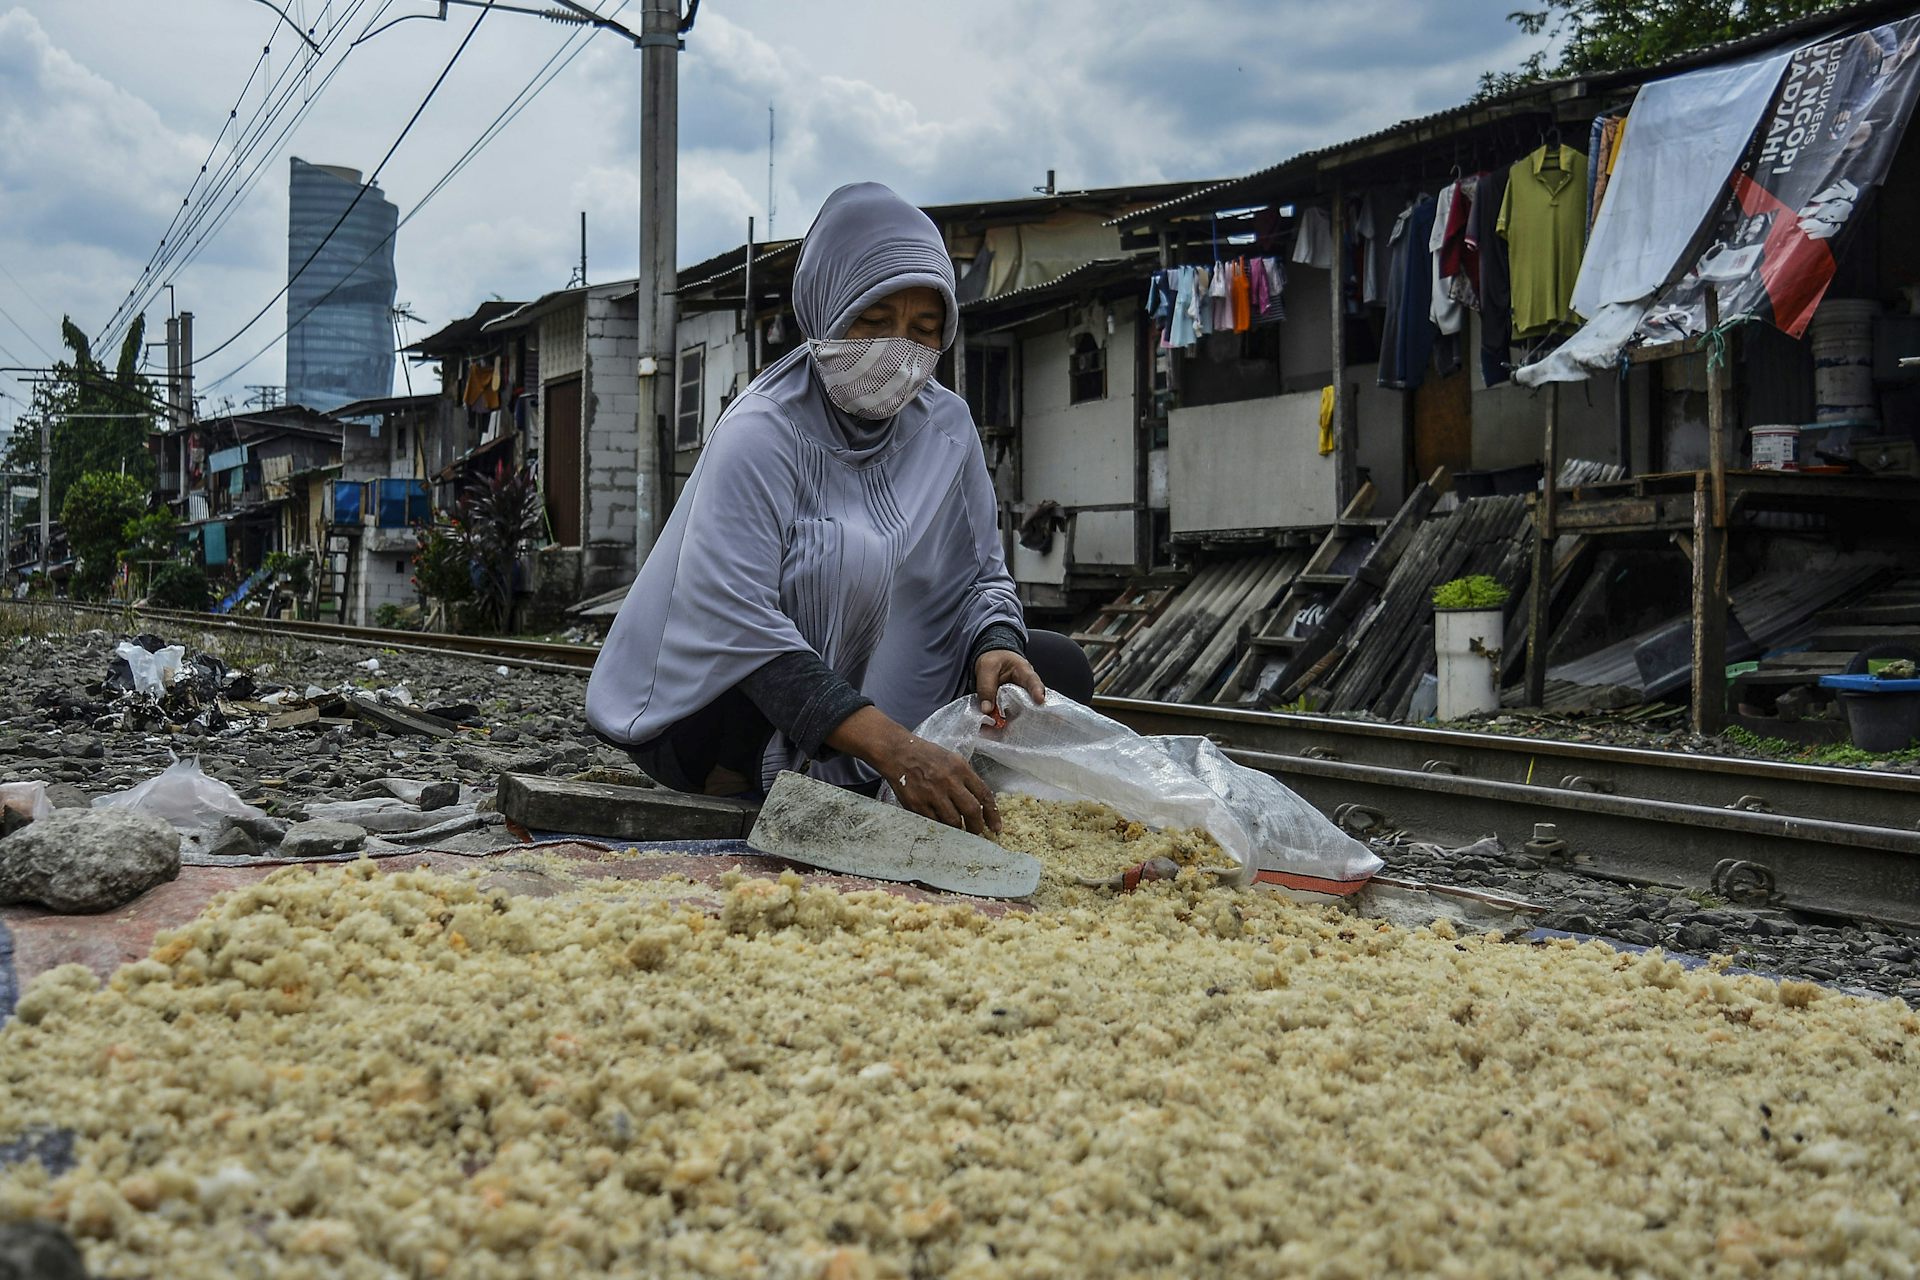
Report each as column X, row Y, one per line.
column 150, row 684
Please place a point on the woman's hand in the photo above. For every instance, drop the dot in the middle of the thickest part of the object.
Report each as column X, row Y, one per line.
column 996, row 667
column 931, row 781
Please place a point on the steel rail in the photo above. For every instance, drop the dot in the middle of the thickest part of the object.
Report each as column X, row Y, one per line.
column 1825, row 792
column 1817, row 838
column 1832, row 868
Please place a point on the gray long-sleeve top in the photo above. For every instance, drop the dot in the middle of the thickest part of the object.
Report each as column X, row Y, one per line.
column 882, row 558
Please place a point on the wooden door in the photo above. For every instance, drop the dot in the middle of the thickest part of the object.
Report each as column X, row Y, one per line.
column 1443, row 424
column 561, row 464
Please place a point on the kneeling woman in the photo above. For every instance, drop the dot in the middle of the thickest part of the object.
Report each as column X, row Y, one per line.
column 832, row 573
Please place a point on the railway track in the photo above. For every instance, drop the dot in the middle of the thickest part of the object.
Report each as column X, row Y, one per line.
column 1841, row 842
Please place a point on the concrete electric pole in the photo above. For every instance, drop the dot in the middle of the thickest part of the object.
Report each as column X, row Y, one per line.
column 660, row 44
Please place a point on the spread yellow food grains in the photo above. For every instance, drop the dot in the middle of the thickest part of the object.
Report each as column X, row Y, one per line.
column 344, row 1073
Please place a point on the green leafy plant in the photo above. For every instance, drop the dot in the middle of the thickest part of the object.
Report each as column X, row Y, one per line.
column 148, row 538
column 496, row 518
column 99, row 507
column 295, row 568
column 1475, row 592
column 179, row 585
column 440, row 567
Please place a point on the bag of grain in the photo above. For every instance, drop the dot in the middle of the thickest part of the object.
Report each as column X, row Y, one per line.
column 1061, row 750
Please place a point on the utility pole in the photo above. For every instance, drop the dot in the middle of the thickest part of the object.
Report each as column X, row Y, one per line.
column 657, row 304
column 186, row 364
column 46, row 493
column 583, row 248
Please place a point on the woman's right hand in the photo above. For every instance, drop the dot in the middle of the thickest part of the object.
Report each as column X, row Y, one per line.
column 929, row 780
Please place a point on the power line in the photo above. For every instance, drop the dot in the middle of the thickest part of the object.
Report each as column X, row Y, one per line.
column 360, row 194
column 534, row 87
column 223, row 191
column 27, row 335
column 28, row 295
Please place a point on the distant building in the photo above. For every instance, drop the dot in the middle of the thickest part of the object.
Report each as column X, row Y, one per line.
column 340, row 344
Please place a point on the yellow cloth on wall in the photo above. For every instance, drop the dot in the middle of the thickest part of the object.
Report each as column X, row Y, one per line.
column 1326, row 421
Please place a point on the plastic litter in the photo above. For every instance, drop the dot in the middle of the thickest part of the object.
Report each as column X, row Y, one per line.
column 1064, row 751
column 28, row 799
column 150, row 673
column 371, row 664
column 186, row 798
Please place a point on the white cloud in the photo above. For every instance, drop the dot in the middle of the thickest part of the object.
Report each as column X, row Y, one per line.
column 106, row 109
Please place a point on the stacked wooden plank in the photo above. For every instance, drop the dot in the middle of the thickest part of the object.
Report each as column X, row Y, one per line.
column 1183, row 653
column 1392, row 648
column 1128, row 615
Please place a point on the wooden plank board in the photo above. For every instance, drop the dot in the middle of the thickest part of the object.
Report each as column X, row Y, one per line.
column 622, row 813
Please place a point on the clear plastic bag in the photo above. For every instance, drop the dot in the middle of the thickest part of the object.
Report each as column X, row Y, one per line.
column 152, row 672
column 1063, row 750
column 185, row 798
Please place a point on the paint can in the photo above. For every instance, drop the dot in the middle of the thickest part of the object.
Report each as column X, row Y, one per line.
column 1776, row 448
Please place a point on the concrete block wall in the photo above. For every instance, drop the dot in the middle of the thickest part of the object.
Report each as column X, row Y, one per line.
column 610, row 432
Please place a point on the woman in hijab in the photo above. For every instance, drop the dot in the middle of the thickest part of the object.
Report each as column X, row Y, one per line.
column 832, row 572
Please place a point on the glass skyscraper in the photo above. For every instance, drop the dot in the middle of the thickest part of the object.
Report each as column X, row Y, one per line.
column 340, row 344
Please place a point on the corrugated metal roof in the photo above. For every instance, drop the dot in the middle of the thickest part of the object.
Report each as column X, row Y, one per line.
column 1543, row 91
column 1088, row 275
column 779, row 249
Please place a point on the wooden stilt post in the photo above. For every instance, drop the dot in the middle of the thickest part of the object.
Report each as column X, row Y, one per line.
column 1540, row 594
column 1709, row 612
column 1345, row 445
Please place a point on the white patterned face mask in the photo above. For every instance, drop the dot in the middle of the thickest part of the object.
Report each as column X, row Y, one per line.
column 873, row 377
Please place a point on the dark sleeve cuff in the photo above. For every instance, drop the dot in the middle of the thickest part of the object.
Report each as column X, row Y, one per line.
column 803, row 698
column 996, row 635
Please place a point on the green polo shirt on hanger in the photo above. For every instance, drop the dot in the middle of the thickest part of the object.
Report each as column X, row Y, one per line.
column 1544, row 218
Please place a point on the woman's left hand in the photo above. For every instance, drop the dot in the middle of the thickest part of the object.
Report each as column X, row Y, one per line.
column 996, row 667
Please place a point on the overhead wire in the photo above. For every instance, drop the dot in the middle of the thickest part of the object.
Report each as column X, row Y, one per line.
column 359, row 194
column 534, row 87
column 205, row 218
column 233, row 114
column 222, row 198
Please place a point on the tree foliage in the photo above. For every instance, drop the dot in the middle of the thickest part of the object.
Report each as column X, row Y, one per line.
column 1584, row 36
column 99, row 513
column 82, row 385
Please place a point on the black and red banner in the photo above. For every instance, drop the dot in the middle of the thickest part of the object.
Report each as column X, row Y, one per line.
column 1826, row 141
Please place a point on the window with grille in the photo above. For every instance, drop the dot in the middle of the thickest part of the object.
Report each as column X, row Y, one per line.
column 693, row 376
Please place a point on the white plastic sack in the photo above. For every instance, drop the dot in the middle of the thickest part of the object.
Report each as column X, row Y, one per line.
column 152, row 672
column 1064, row 751
column 185, row 798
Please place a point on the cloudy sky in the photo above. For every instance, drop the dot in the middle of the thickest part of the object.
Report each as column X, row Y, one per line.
column 108, row 109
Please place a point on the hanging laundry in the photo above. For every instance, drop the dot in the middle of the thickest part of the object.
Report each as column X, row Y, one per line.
column 1442, row 307
column 1406, row 349
column 482, row 392
column 1459, row 257
column 1275, row 309
column 1240, row 295
column 1544, row 221
column 1200, row 307
column 1326, row 421
column 1257, row 288
column 1180, row 332
column 1613, row 133
column 1159, row 302
column 1313, row 245
column 1219, row 294
column 1490, row 257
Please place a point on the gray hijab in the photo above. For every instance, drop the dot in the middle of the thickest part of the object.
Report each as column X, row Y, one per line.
column 867, row 243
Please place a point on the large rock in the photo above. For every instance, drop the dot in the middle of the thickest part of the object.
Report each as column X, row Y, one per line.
column 79, row 860
column 318, row 837
column 38, row 1251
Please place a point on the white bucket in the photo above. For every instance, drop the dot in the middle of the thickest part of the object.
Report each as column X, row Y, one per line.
column 1467, row 644
column 1776, row 448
